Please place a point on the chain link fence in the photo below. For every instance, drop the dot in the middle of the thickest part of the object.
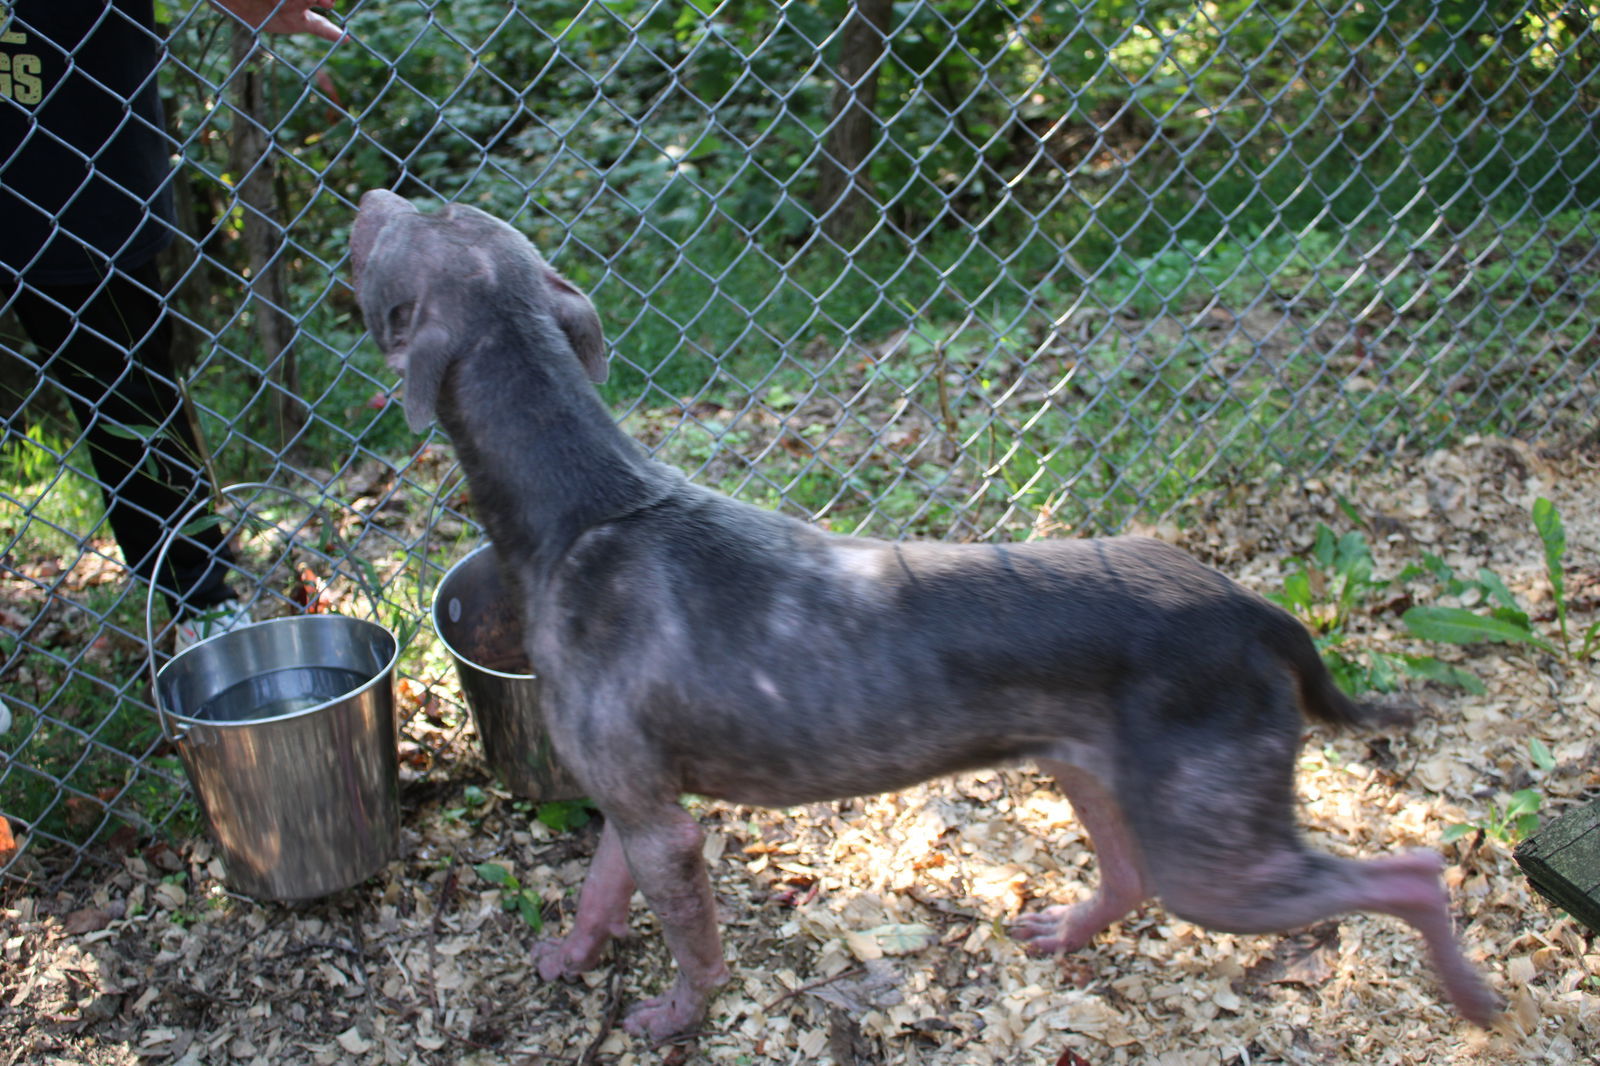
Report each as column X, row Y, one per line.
column 933, row 268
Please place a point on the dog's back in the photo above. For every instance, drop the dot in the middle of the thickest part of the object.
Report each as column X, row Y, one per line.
column 785, row 665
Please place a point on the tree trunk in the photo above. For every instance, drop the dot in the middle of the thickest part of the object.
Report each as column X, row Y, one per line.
column 844, row 200
column 263, row 235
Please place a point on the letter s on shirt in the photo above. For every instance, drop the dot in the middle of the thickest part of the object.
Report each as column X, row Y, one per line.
column 19, row 78
column 19, row 71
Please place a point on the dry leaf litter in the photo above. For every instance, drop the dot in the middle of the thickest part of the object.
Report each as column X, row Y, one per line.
column 870, row 931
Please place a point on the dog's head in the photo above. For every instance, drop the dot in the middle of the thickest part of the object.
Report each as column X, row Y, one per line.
column 426, row 284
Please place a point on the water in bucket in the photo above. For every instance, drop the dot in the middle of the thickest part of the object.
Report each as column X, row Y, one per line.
column 280, row 692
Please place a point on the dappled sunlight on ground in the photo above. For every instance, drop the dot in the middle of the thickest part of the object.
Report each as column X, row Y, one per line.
column 872, row 930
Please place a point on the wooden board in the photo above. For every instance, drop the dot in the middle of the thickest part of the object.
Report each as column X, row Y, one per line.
column 1562, row 861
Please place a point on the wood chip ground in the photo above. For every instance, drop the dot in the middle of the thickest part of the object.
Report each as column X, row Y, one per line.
column 870, row 931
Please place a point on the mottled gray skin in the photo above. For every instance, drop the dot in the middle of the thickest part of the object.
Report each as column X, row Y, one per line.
column 691, row 643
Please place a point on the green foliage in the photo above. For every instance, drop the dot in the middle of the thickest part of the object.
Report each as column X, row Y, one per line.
column 1506, row 822
column 473, row 799
column 1513, row 817
column 1457, row 625
column 514, row 897
column 1506, row 622
column 665, row 157
column 88, row 765
column 1327, row 590
column 564, row 816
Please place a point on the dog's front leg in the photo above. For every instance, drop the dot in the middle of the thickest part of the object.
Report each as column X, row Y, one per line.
column 602, row 913
column 664, row 853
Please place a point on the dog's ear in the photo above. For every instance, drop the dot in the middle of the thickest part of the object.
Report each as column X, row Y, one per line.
column 577, row 318
column 428, row 354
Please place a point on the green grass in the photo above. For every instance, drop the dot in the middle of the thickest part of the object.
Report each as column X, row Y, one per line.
column 90, row 758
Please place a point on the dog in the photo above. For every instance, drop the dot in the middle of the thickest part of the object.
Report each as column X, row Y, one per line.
column 692, row 643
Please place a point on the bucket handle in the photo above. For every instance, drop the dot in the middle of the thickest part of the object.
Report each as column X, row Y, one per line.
column 170, row 731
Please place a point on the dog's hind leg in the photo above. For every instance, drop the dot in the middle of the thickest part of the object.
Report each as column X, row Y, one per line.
column 1216, row 825
column 664, row 854
column 1292, row 887
column 602, row 913
column 1122, row 879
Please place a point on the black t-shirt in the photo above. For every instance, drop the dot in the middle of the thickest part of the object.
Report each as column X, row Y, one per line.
column 85, row 164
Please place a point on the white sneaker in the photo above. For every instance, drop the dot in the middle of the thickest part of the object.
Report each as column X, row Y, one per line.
column 229, row 614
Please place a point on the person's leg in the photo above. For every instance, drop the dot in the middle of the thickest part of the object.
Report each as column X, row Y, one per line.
column 109, row 347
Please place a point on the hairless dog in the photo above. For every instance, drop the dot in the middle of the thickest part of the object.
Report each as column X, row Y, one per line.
column 692, row 643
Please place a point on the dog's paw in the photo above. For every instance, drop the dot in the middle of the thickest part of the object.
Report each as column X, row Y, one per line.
column 664, row 1017
column 1057, row 930
column 1042, row 932
column 560, row 959
column 1478, row 1003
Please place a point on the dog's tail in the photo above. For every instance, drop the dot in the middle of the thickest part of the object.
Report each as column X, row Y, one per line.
column 1321, row 698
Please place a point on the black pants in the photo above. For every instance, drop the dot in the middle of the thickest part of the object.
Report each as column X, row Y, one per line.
column 109, row 347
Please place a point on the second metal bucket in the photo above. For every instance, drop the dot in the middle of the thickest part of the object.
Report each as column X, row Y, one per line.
column 480, row 624
column 286, row 729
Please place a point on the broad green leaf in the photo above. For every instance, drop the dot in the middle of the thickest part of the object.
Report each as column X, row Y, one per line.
column 564, row 815
column 1456, row 625
column 1296, row 593
column 1512, row 615
column 1457, row 831
column 1325, row 549
column 1353, row 552
column 200, row 525
column 1540, row 754
column 1381, row 673
column 496, row 874
column 528, row 907
column 1347, row 674
column 1438, row 567
column 1497, row 591
column 1431, row 669
column 1547, row 520
column 1524, row 801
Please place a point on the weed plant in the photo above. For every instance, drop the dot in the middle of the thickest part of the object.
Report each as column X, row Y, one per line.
column 1506, row 621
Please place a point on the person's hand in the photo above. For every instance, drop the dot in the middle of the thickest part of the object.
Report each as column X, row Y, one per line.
column 284, row 16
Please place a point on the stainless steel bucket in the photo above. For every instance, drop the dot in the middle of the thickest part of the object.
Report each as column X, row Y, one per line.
column 480, row 624
column 287, row 731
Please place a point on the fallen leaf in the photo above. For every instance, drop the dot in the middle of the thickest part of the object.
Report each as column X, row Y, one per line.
column 903, row 938
column 353, row 1042
column 85, row 920
column 121, row 841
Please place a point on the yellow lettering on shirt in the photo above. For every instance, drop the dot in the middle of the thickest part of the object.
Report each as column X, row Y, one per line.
column 19, row 78
column 19, row 73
